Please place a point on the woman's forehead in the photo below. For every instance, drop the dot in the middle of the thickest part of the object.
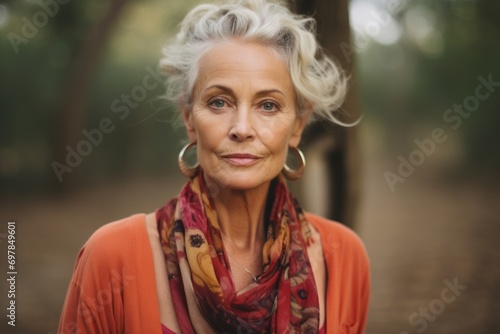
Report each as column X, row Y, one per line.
column 237, row 62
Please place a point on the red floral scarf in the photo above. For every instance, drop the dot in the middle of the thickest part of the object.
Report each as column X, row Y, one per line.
column 284, row 298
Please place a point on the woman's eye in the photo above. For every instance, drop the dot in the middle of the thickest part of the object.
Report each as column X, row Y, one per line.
column 269, row 106
column 218, row 103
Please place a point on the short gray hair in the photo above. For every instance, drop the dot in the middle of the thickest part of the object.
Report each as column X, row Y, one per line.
column 320, row 84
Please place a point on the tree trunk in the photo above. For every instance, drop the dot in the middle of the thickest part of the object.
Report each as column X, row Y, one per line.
column 71, row 118
column 342, row 155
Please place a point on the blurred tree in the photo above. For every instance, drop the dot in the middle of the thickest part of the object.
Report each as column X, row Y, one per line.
column 341, row 152
column 71, row 115
column 444, row 46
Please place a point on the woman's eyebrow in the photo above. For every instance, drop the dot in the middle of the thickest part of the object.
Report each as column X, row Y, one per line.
column 270, row 91
column 220, row 87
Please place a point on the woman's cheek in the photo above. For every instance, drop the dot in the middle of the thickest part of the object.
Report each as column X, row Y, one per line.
column 275, row 135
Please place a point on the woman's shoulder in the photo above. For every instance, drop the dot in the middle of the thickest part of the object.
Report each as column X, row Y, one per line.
column 112, row 266
column 114, row 242
column 338, row 239
column 348, row 275
column 115, row 234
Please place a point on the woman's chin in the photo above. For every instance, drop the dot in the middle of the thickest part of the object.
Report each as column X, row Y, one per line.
column 238, row 180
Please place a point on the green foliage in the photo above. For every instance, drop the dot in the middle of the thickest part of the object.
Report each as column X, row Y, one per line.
column 408, row 86
column 35, row 73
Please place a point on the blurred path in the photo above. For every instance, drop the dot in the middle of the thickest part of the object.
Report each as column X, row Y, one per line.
column 425, row 232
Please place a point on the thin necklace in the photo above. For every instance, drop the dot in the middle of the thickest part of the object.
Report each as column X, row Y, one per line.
column 254, row 277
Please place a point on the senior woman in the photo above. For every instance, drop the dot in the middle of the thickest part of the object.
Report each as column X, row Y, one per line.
column 234, row 252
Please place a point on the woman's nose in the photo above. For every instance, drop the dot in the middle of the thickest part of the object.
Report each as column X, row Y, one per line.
column 242, row 128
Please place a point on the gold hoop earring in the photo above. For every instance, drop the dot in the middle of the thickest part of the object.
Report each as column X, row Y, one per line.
column 297, row 173
column 185, row 170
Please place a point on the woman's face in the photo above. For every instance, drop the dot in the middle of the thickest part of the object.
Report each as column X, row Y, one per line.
column 244, row 115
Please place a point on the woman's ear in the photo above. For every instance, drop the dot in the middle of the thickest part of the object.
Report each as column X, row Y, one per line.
column 187, row 118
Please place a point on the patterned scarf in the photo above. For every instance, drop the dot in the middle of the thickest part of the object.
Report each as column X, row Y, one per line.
column 283, row 299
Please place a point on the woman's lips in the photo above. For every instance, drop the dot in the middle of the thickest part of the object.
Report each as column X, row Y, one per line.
column 241, row 159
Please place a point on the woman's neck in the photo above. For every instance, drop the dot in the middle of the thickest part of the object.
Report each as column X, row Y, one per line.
column 241, row 218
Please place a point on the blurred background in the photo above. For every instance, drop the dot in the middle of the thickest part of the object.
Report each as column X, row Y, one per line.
column 85, row 139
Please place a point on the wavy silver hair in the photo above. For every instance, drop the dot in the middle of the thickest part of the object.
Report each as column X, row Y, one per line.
column 319, row 83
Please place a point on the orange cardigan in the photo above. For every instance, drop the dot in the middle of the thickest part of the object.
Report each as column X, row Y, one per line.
column 113, row 288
